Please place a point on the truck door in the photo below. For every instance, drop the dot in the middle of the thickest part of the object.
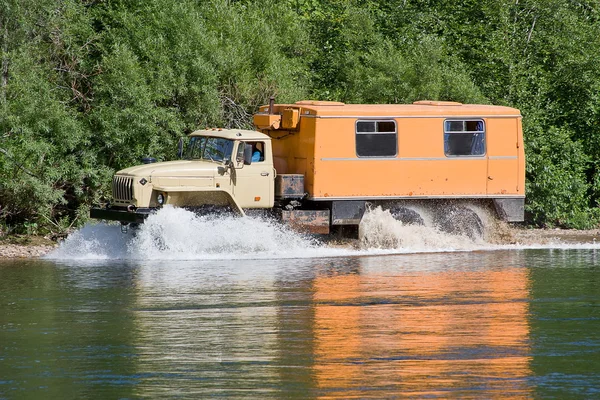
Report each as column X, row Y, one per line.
column 503, row 156
column 254, row 183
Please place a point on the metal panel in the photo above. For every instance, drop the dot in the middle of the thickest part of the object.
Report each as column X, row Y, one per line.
column 289, row 186
column 290, row 119
column 511, row 210
column 121, row 215
column 408, row 116
column 347, row 212
column 413, row 197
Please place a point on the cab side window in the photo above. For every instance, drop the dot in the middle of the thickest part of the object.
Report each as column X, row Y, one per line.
column 258, row 151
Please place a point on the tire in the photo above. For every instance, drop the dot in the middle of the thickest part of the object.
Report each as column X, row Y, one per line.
column 406, row 215
column 459, row 220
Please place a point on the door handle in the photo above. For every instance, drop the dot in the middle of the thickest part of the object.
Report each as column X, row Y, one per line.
column 264, row 174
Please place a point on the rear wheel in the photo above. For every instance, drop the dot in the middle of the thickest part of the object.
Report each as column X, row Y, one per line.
column 406, row 215
column 459, row 220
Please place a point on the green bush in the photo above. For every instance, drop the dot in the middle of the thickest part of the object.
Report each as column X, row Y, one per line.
column 557, row 185
column 87, row 88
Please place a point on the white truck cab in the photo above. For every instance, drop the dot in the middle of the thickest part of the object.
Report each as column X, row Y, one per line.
column 220, row 167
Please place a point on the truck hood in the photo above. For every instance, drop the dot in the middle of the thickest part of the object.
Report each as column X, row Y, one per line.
column 177, row 168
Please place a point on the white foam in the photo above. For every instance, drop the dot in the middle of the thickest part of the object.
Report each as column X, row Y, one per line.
column 175, row 233
column 178, row 234
column 379, row 230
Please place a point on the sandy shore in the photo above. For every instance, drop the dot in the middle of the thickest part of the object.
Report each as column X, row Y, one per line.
column 33, row 247
column 26, row 246
column 24, row 251
column 544, row 236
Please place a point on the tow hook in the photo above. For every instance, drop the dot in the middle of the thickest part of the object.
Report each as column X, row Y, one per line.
column 131, row 208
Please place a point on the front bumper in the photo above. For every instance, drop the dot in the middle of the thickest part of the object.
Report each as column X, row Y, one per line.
column 121, row 214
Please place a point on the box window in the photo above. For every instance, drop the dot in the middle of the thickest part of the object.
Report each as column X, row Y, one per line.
column 376, row 139
column 464, row 137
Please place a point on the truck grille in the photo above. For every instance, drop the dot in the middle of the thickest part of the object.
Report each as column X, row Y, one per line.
column 122, row 187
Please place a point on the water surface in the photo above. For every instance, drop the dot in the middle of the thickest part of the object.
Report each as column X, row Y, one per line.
column 191, row 316
column 520, row 323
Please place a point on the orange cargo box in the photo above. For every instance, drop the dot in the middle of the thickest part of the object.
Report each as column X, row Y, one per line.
column 424, row 150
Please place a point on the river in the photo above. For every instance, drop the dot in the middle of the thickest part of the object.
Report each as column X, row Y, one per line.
column 215, row 309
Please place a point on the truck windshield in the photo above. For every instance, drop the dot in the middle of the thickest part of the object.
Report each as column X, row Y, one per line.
column 209, row 148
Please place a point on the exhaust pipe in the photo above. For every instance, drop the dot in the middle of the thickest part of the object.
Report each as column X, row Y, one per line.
column 271, row 104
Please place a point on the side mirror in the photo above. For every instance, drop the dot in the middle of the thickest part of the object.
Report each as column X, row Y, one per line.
column 180, row 148
column 248, row 154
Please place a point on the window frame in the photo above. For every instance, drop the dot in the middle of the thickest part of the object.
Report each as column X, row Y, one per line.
column 450, row 132
column 376, row 121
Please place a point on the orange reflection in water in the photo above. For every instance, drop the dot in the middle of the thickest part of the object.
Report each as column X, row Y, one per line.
column 431, row 334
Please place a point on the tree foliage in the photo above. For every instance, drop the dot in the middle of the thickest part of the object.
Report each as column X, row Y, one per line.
column 89, row 87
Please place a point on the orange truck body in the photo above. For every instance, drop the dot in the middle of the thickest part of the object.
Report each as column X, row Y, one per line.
column 322, row 141
column 322, row 165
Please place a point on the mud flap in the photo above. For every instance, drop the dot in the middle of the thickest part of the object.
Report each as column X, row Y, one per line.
column 510, row 210
column 309, row 221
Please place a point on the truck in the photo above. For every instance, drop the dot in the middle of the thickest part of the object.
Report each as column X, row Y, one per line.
column 320, row 165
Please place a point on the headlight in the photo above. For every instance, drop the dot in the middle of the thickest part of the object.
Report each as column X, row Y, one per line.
column 160, row 199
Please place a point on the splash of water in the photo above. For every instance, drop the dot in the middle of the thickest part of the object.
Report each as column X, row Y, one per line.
column 175, row 233
column 379, row 229
column 178, row 234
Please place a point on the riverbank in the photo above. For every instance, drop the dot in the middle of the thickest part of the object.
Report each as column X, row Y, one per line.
column 35, row 246
column 545, row 236
column 23, row 246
